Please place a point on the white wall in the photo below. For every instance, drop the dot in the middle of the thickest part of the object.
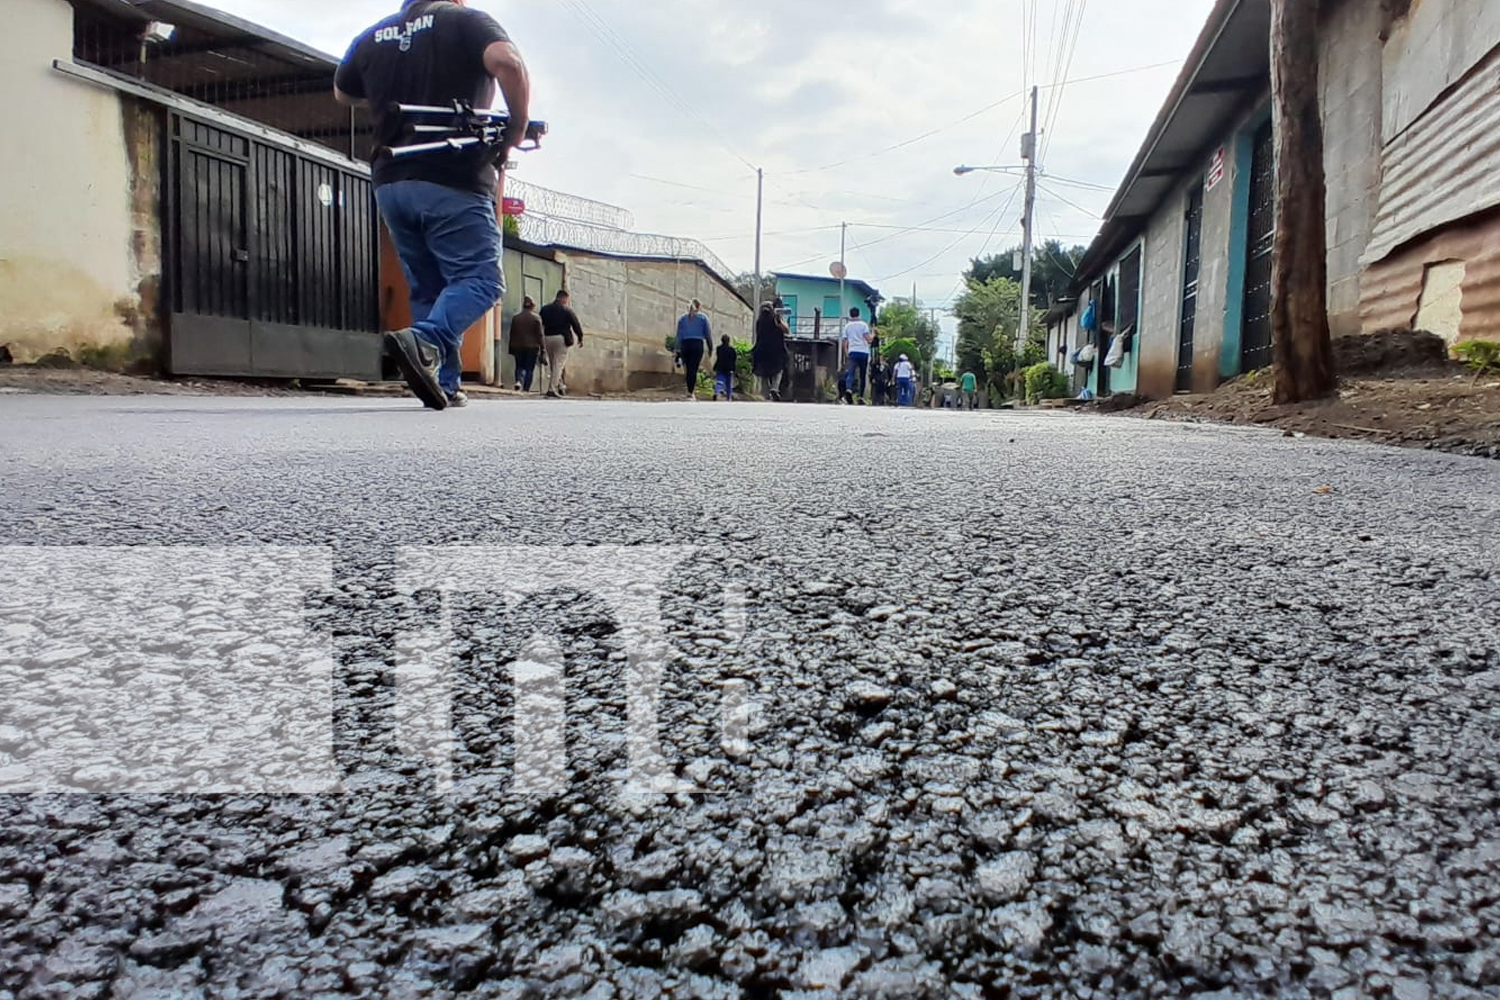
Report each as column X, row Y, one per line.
column 66, row 260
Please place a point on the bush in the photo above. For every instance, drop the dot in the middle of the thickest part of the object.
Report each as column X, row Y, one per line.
column 1043, row 381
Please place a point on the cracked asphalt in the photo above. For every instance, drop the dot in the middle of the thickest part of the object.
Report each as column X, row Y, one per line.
column 950, row 705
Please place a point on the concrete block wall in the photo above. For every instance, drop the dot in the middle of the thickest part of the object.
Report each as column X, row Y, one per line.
column 629, row 308
column 1351, row 69
column 1157, row 337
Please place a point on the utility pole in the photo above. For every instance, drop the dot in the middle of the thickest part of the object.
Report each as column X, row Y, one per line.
column 1028, row 152
column 843, row 273
column 760, row 193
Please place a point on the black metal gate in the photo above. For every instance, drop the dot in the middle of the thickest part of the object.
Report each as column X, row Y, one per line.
column 1191, row 267
column 273, row 259
column 1255, row 338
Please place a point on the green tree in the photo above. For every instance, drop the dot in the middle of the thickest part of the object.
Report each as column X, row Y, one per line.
column 1053, row 268
column 904, row 320
column 745, row 285
column 988, row 314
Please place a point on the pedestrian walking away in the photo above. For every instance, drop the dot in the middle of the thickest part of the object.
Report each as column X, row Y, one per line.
column 880, row 381
column 906, row 382
column 726, row 362
column 856, row 341
column 768, row 357
column 526, row 342
column 439, row 209
column 970, row 385
column 561, row 332
column 695, row 338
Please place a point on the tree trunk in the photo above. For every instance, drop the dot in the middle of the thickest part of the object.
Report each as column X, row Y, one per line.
column 1299, row 277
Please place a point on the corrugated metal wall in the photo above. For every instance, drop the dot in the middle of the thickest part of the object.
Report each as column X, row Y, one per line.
column 1392, row 289
column 1445, row 167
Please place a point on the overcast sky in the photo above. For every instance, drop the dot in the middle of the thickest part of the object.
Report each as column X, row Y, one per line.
column 817, row 92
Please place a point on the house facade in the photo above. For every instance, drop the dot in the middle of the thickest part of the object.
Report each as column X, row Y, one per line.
column 815, row 308
column 180, row 190
column 1411, row 115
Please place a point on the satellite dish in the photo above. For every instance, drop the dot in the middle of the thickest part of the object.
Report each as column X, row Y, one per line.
column 838, row 270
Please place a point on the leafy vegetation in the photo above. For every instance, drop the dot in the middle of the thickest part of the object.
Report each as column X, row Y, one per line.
column 989, row 314
column 903, row 322
column 1043, row 381
column 1480, row 355
column 1053, row 267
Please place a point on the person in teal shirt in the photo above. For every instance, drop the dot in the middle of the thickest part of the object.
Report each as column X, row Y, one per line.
column 970, row 385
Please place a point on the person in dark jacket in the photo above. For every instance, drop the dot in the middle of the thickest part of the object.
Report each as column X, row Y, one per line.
column 726, row 362
column 769, row 355
column 561, row 331
column 526, row 343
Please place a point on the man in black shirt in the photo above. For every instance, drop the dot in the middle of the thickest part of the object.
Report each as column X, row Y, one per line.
column 561, row 330
column 439, row 208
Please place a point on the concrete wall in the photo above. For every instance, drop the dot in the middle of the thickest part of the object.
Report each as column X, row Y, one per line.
column 1351, row 80
column 629, row 308
column 1157, row 340
column 69, row 222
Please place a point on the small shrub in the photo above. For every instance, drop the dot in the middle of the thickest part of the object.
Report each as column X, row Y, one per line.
column 1480, row 355
column 1043, row 381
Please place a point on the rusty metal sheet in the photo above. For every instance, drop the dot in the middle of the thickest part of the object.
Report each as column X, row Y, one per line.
column 1391, row 290
column 1445, row 167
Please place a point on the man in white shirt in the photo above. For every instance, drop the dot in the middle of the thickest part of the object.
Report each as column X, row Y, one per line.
column 906, row 382
column 856, row 342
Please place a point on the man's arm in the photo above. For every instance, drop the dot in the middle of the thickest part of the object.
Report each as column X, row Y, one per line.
column 502, row 60
column 348, row 83
column 348, row 100
column 577, row 326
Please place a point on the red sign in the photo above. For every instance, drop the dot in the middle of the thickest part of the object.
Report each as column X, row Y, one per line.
column 512, row 206
column 1216, row 169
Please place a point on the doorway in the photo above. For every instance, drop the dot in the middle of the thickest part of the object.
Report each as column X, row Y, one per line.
column 1191, row 267
column 1255, row 340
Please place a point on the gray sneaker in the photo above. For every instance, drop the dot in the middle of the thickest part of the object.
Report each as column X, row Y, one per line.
column 418, row 364
column 458, row 400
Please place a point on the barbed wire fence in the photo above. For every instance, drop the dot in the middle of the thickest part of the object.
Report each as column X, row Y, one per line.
column 554, row 218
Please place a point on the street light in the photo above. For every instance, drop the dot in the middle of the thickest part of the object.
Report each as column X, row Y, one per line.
column 961, row 170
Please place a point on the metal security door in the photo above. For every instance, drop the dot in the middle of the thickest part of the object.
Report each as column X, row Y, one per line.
column 274, row 266
column 1190, row 270
column 210, row 268
column 1255, row 339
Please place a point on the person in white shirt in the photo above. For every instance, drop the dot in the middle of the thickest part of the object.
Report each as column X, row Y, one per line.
column 856, row 342
column 906, row 382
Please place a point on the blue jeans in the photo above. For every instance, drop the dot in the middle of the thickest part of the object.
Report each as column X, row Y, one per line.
column 905, row 392
column 859, row 366
column 724, row 385
column 449, row 245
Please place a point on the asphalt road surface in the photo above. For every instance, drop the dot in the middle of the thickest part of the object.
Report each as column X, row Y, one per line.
column 593, row 700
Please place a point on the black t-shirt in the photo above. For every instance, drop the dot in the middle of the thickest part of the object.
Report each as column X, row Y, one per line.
column 430, row 53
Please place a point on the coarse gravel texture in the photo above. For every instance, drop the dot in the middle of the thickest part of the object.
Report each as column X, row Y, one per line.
column 1037, row 706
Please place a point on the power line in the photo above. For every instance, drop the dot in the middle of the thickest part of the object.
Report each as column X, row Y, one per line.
column 997, row 213
column 1070, row 204
column 601, row 29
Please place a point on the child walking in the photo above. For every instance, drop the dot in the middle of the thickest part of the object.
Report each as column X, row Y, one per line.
column 726, row 361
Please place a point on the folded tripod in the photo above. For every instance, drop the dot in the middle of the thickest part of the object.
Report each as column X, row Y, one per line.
column 457, row 127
